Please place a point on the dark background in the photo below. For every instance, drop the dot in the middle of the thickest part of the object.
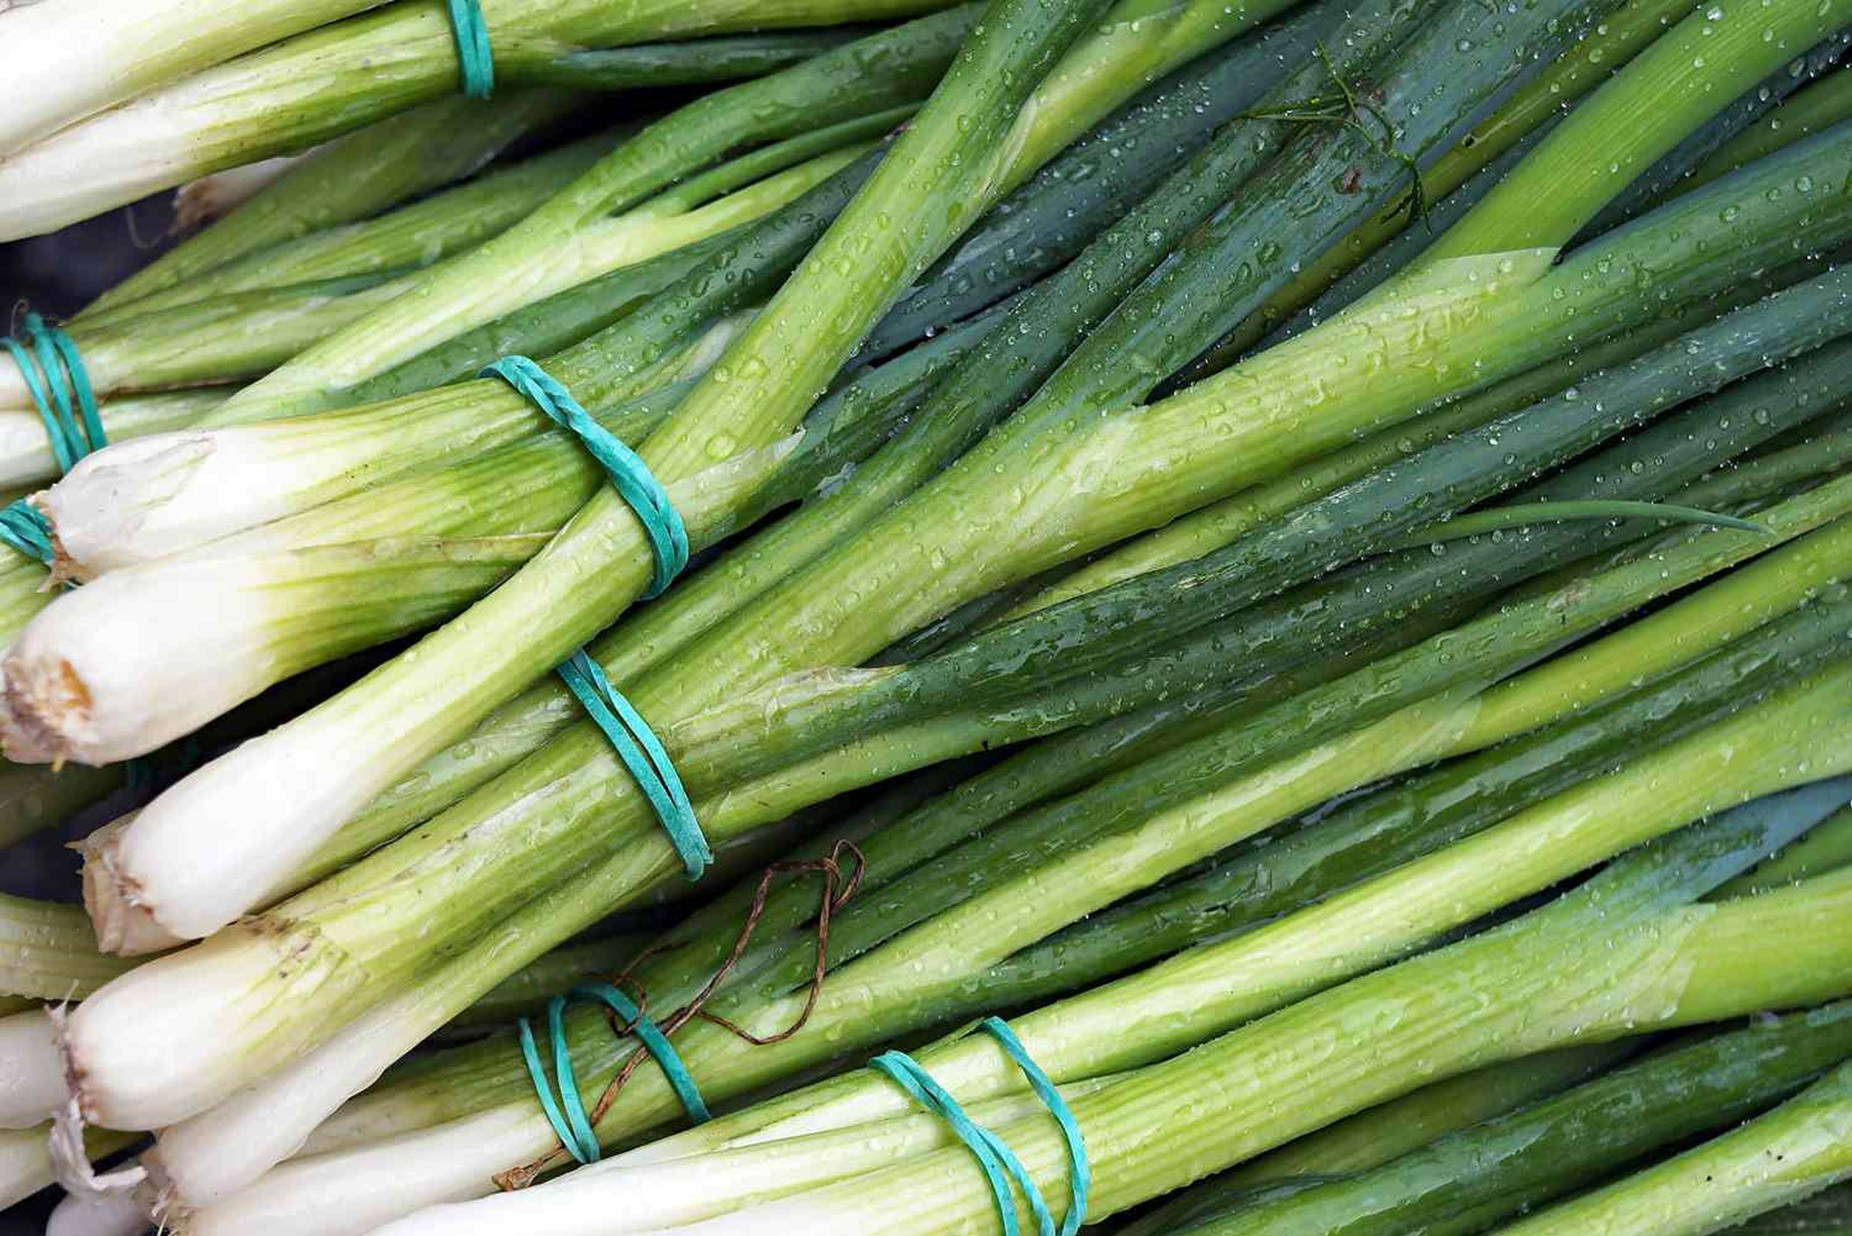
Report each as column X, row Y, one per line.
column 61, row 273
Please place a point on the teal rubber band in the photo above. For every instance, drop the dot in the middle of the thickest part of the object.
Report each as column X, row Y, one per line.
column 998, row 1161
column 644, row 755
column 475, row 57
column 631, row 477
column 1080, row 1177
column 25, row 528
column 60, row 388
column 566, row 1112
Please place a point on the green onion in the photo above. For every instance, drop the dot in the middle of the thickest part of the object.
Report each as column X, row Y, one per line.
column 352, row 179
column 1814, row 108
column 32, row 1085
column 561, row 243
column 1371, row 1138
column 48, row 950
column 621, row 868
column 326, row 82
column 562, row 553
column 454, row 1167
column 1185, row 1000
column 71, row 60
column 1488, row 150
column 1499, row 1000
column 1472, row 1179
column 301, row 591
column 1782, row 1157
column 243, row 334
column 384, row 246
column 929, row 143
column 1827, row 848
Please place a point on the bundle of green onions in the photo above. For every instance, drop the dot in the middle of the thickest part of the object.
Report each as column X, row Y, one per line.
column 1299, row 553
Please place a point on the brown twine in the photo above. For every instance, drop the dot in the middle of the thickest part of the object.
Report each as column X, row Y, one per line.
column 838, row 888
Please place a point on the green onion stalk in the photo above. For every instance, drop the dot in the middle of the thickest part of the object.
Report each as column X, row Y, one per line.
column 1139, row 40
column 351, row 179
column 1203, row 905
column 1485, row 790
column 268, row 585
column 1658, row 963
column 281, row 610
column 612, row 773
column 340, row 577
column 1817, row 106
column 1060, row 211
column 580, row 756
column 1040, row 225
column 330, row 81
column 1353, row 1065
column 1826, row 1213
column 1186, row 999
column 535, row 484
column 1371, row 1138
column 1700, row 361
column 141, row 503
column 1486, row 150
column 1471, row 1180
column 243, row 334
column 1030, row 232
column 1211, row 527
column 736, row 386
column 1732, row 612
column 1380, row 831
column 559, row 244
column 1742, row 415
column 387, row 244
column 1826, row 848
column 70, row 61
column 913, row 457
column 749, row 379
column 1664, row 178
column 700, row 280
column 322, row 1069
column 1779, row 1158
column 278, row 1115
column 518, row 1131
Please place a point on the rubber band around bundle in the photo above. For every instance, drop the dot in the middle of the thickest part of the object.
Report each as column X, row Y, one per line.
column 559, row 1098
column 60, row 388
column 577, row 1128
column 25, row 528
column 644, row 755
column 999, row 1163
column 475, row 58
column 629, row 475
column 55, row 377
